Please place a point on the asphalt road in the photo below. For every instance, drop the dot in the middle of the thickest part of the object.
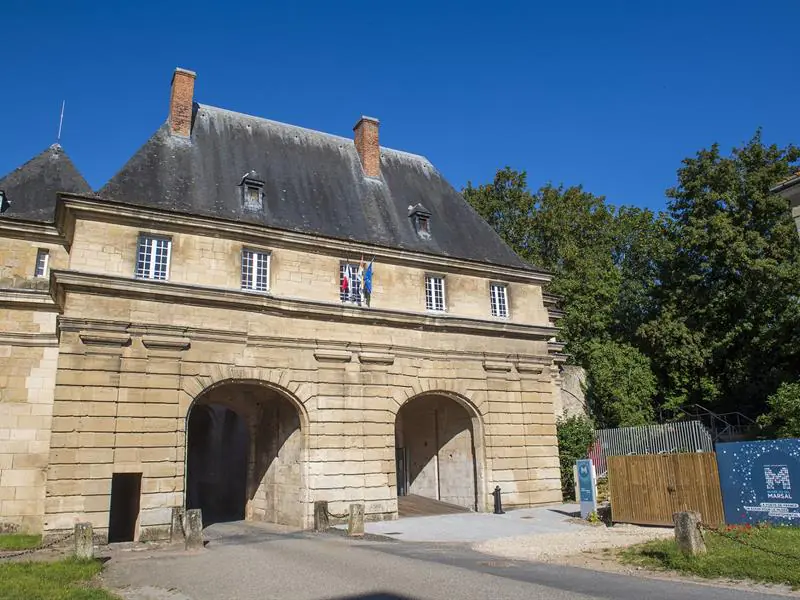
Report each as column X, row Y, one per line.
column 249, row 562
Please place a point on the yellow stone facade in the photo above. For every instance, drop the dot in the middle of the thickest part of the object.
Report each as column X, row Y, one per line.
column 102, row 371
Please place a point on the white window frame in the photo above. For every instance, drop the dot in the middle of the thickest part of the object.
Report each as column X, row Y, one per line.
column 148, row 271
column 42, row 263
column 258, row 259
column 431, row 303
column 498, row 300
column 353, row 294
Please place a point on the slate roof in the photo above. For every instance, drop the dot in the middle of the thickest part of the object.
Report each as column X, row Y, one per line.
column 313, row 183
column 786, row 183
column 31, row 189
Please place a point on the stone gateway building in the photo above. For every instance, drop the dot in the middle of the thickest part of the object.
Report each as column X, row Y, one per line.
column 251, row 316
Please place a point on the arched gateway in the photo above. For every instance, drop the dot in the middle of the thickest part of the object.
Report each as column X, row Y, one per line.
column 245, row 454
column 439, row 450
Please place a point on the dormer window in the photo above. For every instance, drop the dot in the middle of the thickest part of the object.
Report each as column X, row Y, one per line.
column 421, row 219
column 252, row 191
column 4, row 203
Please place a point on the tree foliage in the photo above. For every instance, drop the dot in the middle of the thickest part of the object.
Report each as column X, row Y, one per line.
column 621, row 384
column 700, row 304
column 728, row 331
column 575, row 435
column 782, row 418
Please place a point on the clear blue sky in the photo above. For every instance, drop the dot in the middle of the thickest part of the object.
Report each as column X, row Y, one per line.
column 608, row 94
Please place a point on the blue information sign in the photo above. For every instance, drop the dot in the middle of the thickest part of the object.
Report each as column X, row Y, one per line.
column 760, row 481
column 586, row 487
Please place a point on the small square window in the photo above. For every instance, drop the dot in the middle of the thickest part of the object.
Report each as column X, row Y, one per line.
column 434, row 293
column 498, row 294
column 42, row 261
column 255, row 270
column 152, row 261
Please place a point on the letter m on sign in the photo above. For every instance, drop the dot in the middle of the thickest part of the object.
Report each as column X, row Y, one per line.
column 780, row 476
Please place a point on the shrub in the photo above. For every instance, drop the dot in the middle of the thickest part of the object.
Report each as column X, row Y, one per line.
column 575, row 435
column 782, row 419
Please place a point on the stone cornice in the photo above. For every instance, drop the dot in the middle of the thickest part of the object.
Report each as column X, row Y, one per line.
column 21, row 298
column 28, row 339
column 166, row 343
column 327, row 349
column 162, row 291
column 72, row 206
column 47, row 233
column 105, row 338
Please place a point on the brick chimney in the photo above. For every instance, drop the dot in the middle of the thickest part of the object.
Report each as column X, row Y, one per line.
column 180, row 102
column 369, row 149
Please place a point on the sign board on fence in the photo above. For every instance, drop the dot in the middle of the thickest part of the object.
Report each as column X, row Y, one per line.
column 587, row 487
column 760, row 481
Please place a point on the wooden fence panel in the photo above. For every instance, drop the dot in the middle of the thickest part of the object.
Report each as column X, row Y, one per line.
column 648, row 489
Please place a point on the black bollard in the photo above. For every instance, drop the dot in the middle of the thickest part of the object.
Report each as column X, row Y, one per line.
column 498, row 501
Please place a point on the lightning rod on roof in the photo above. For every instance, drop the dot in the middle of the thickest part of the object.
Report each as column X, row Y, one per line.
column 61, row 121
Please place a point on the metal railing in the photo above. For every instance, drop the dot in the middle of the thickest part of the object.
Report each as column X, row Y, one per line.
column 667, row 438
column 723, row 427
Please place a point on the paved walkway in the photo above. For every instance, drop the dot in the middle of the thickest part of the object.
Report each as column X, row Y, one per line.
column 251, row 562
column 478, row 527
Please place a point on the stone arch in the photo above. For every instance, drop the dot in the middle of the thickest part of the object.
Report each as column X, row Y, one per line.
column 477, row 430
column 278, row 380
column 277, row 422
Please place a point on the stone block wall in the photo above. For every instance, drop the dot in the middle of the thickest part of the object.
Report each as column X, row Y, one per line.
column 110, row 249
column 29, row 354
column 125, row 386
column 18, row 262
column 110, row 388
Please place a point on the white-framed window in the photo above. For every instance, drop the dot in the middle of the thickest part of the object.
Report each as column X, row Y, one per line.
column 498, row 295
column 152, row 258
column 42, row 262
column 349, row 283
column 255, row 270
column 434, row 292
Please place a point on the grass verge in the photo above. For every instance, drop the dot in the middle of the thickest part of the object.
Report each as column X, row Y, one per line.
column 18, row 541
column 763, row 554
column 62, row 580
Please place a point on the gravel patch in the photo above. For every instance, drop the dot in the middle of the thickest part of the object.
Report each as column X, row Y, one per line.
column 548, row 547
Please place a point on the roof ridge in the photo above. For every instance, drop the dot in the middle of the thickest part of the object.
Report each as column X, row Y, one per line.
column 53, row 148
column 308, row 130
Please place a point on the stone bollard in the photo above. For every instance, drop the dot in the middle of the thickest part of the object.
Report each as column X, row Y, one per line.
column 688, row 535
column 193, row 529
column 355, row 525
column 84, row 542
column 176, row 533
column 321, row 516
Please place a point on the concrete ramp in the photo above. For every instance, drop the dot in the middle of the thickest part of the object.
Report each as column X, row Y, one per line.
column 419, row 506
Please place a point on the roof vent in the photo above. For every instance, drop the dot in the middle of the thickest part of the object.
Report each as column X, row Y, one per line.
column 421, row 219
column 252, row 190
column 5, row 203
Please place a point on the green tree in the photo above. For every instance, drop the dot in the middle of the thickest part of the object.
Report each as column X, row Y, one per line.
column 621, row 385
column 727, row 331
column 782, row 418
column 605, row 264
column 597, row 255
column 575, row 435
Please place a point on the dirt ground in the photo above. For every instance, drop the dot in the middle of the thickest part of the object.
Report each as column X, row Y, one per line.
column 550, row 547
column 598, row 548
